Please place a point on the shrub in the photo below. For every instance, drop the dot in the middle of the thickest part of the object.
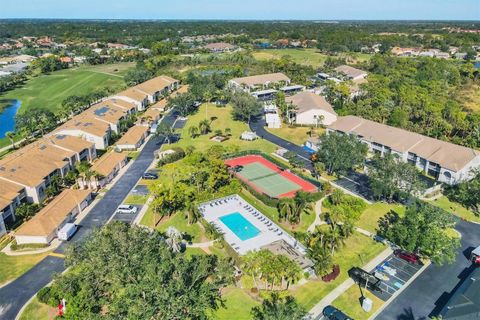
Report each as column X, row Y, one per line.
column 332, row 275
column 49, row 296
column 177, row 155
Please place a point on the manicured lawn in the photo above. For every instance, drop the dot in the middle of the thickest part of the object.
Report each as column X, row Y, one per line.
column 177, row 221
column 369, row 218
column 307, row 56
column 38, row 311
column 12, row 267
column 136, row 199
column 223, row 121
column 349, row 303
column 48, row 91
column 237, row 305
column 357, row 251
column 297, row 135
column 455, row 208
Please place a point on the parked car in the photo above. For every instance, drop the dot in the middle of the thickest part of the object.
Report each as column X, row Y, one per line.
column 150, row 176
column 407, row 256
column 332, row 313
column 125, row 208
column 381, row 276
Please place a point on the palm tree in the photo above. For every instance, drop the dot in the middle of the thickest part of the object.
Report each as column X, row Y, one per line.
column 204, row 126
column 302, row 201
column 252, row 265
column 286, row 208
column 174, row 239
column 192, row 213
column 11, row 136
column 212, row 232
column 166, row 131
column 276, row 308
column 193, row 131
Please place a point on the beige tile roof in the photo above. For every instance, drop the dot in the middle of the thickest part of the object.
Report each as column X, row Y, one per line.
column 127, row 106
column 306, row 101
column 153, row 113
column 31, row 164
column 350, row 71
column 448, row 155
column 133, row 94
column 160, row 105
column 76, row 144
column 108, row 162
column 107, row 111
column 86, row 122
column 262, row 79
column 219, row 46
column 133, row 135
column 53, row 214
column 155, row 85
column 10, row 191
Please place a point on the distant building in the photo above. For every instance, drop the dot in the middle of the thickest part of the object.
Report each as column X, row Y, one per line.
column 259, row 82
column 445, row 161
column 312, row 109
column 220, row 47
column 351, row 72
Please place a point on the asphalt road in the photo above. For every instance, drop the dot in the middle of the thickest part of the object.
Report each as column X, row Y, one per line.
column 257, row 125
column 427, row 295
column 17, row 293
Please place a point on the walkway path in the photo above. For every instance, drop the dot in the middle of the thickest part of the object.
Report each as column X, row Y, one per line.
column 201, row 244
column 318, row 220
column 344, row 286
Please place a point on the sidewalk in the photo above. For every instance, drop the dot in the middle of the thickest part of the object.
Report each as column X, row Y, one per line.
column 318, row 211
column 335, row 293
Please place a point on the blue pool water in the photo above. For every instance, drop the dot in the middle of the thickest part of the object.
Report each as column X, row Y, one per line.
column 7, row 118
column 240, row 226
column 477, row 65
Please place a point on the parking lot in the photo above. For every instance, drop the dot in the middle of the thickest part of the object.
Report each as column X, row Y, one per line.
column 394, row 272
column 356, row 183
column 127, row 217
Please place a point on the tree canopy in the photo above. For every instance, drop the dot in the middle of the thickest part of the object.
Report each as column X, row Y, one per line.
column 422, row 230
column 244, row 106
column 341, row 153
column 278, row 308
column 128, row 272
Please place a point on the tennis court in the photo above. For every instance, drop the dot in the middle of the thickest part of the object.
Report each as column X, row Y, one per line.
column 267, row 178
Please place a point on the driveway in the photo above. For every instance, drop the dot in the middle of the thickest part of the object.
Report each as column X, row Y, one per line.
column 431, row 290
column 17, row 293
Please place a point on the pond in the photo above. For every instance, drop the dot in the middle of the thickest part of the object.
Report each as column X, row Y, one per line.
column 7, row 117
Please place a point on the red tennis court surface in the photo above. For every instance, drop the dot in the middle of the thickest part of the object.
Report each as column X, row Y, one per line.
column 265, row 177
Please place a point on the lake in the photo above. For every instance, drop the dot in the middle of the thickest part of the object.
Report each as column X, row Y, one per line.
column 7, row 118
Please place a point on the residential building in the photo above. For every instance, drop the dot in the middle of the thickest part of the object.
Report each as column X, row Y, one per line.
column 132, row 95
column 43, row 227
column 405, row 52
column 220, row 47
column 133, row 138
column 311, row 109
column 88, row 127
column 152, row 115
column 351, row 72
column 108, row 112
column 33, row 167
column 108, row 166
column 259, row 82
column 446, row 162
column 464, row 304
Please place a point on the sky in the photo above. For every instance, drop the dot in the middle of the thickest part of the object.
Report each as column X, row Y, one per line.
column 244, row 9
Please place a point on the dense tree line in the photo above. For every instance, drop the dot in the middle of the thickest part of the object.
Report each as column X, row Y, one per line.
column 421, row 95
column 349, row 35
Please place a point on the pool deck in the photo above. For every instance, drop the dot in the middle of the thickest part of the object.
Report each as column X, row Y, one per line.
column 269, row 231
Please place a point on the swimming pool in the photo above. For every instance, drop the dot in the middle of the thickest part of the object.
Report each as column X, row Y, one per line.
column 240, row 226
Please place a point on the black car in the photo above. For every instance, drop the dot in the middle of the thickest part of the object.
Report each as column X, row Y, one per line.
column 332, row 313
column 150, row 176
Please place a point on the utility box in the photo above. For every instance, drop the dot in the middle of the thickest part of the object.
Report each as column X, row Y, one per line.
column 367, row 305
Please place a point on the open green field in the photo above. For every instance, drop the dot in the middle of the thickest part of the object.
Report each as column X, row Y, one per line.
column 12, row 267
column 48, row 91
column 311, row 57
column 297, row 135
column 349, row 302
column 371, row 215
column 455, row 208
column 223, row 120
